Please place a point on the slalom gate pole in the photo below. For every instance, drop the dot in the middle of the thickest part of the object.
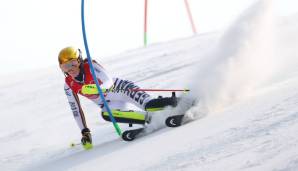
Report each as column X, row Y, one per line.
column 190, row 17
column 116, row 126
column 145, row 22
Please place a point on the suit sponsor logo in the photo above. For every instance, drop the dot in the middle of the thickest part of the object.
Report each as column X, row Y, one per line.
column 73, row 107
column 97, row 70
column 68, row 93
column 125, row 87
column 75, row 113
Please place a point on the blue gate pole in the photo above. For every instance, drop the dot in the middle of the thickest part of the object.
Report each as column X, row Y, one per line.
column 93, row 73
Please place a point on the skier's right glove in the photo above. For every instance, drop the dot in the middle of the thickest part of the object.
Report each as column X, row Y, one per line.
column 86, row 138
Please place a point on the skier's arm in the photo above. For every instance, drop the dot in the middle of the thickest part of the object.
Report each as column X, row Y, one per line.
column 101, row 74
column 75, row 107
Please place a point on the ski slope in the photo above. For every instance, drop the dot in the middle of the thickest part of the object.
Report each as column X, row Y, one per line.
column 246, row 78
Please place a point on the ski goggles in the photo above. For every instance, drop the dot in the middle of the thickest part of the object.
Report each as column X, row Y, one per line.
column 70, row 65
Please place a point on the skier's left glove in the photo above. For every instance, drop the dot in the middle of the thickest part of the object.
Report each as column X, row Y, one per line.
column 86, row 138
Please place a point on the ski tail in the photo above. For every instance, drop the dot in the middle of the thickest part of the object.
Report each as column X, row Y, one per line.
column 130, row 135
column 174, row 121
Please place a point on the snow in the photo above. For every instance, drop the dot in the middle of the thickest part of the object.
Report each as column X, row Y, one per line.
column 247, row 118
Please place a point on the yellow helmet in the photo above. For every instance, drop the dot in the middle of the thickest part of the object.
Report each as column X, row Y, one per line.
column 68, row 54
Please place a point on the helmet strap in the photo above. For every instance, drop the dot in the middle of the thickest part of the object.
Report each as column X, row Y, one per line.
column 81, row 77
column 80, row 56
column 65, row 74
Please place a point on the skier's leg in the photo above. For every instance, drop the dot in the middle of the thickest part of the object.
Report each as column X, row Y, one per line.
column 123, row 113
column 161, row 102
column 141, row 99
column 122, row 92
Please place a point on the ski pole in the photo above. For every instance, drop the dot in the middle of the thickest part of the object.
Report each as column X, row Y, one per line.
column 74, row 144
column 87, row 146
column 92, row 89
column 139, row 89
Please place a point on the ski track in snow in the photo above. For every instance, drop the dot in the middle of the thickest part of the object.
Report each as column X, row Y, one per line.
column 262, row 136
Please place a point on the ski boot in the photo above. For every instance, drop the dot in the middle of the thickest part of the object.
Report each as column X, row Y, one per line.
column 161, row 102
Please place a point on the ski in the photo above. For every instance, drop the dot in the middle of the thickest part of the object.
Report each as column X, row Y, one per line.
column 174, row 121
column 177, row 120
column 130, row 135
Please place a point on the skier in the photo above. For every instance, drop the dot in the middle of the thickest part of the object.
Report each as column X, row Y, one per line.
column 118, row 95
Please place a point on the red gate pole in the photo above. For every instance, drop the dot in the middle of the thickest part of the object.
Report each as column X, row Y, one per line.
column 190, row 17
column 145, row 23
